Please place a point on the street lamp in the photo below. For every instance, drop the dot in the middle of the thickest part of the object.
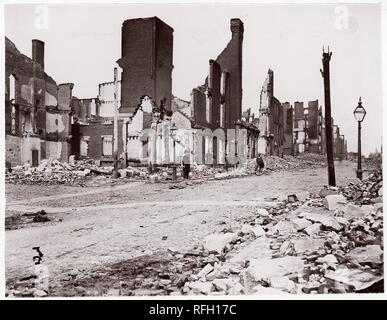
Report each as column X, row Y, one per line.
column 359, row 114
column 173, row 129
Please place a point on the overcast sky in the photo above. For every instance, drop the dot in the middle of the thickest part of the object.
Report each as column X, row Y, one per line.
column 84, row 41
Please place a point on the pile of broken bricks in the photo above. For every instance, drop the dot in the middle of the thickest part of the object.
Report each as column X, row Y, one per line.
column 316, row 244
column 33, row 176
column 303, row 161
column 54, row 172
column 51, row 172
column 272, row 163
column 368, row 191
column 324, row 244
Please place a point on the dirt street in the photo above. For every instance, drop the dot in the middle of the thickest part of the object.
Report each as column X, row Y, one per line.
column 92, row 227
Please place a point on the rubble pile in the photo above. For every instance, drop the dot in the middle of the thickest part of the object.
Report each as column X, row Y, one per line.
column 324, row 243
column 304, row 244
column 53, row 172
column 367, row 191
column 273, row 163
column 204, row 171
column 47, row 173
column 372, row 162
column 306, row 160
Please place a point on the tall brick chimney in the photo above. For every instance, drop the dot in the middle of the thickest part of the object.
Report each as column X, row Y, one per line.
column 38, row 51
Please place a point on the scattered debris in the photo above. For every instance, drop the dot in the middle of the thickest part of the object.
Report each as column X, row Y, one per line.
column 265, row 269
column 326, row 243
column 199, row 287
column 362, row 191
column 325, row 220
column 217, row 242
column 371, row 254
column 206, row 270
column 313, row 229
column 256, row 230
column 301, row 223
column 355, row 279
column 334, row 201
column 41, row 216
column 292, row 198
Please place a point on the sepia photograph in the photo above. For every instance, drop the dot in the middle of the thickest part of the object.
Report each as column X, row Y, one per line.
column 192, row 150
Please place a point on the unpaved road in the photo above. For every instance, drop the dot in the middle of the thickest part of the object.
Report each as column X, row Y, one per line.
column 107, row 225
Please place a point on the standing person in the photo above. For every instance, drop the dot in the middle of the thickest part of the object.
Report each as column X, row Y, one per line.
column 259, row 163
column 186, row 164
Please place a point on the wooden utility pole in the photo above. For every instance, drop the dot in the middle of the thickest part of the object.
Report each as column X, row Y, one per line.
column 328, row 118
column 115, row 128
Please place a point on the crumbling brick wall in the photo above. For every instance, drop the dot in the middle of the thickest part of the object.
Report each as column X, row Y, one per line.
column 146, row 62
column 214, row 85
column 221, row 94
column 208, row 97
column 95, row 130
column 84, row 110
column 65, row 96
column 276, row 127
column 13, row 150
column 288, row 128
column 299, row 127
column 21, row 67
column 199, row 106
column 36, row 95
column 230, row 60
column 271, row 119
column 313, row 130
column 105, row 101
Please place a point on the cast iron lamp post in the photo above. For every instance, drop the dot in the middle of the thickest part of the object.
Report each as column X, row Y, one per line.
column 359, row 114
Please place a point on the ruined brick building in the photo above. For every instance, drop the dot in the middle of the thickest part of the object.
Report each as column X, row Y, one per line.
column 287, row 130
column 314, row 139
column 106, row 98
column 250, row 123
column 146, row 62
column 84, row 110
column 339, row 144
column 309, row 131
column 271, row 120
column 288, row 148
column 217, row 104
column 308, row 128
column 37, row 109
column 299, row 127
